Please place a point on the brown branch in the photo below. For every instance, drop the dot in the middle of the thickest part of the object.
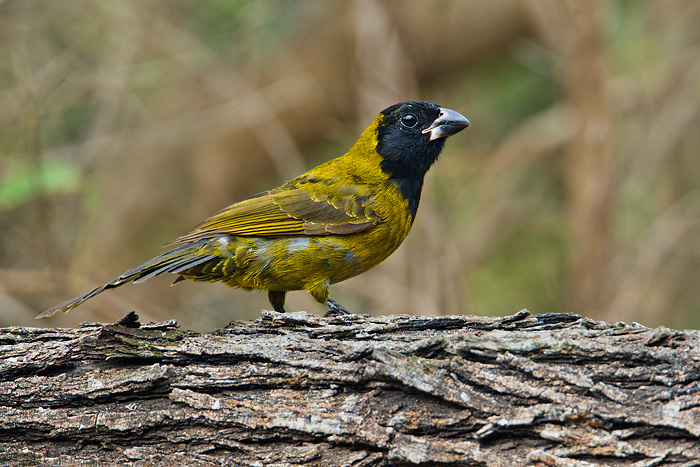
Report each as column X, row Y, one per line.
column 297, row 389
column 575, row 32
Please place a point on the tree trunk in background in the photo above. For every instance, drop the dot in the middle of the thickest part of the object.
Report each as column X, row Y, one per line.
column 296, row 389
column 574, row 31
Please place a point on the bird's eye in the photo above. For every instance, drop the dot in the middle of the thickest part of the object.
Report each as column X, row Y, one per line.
column 409, row 120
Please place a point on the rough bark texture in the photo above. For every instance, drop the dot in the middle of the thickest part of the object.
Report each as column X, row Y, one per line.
column 297, row 389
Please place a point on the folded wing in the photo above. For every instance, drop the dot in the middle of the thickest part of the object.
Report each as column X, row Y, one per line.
column 308, row 206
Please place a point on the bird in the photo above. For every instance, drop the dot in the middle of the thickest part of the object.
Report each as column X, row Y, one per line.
column 332, row 223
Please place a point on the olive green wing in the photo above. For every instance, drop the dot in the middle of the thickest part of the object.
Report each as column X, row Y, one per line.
column 302, row 207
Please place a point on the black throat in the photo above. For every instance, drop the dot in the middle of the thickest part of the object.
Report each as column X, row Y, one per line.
column 407, row 167
column 410, row 188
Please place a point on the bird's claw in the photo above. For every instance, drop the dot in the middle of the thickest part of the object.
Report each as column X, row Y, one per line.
column 335, row 309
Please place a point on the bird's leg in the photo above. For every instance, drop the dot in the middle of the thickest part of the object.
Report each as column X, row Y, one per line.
column 320, row 293
column 336, row 308
column 277, row 300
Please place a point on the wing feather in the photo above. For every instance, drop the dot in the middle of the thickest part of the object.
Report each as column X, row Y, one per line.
column 296, row 208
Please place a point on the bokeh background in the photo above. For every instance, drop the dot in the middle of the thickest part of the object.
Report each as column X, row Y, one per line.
column 577, row 188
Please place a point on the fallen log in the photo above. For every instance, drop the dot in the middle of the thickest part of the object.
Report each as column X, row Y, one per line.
column 297, row 389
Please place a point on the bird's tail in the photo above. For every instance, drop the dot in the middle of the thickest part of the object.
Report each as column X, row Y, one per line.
column 178, row 260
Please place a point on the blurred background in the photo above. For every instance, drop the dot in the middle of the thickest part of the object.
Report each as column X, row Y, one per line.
column 577, row 188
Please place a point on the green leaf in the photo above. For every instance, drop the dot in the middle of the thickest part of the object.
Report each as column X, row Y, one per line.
column 24, row 183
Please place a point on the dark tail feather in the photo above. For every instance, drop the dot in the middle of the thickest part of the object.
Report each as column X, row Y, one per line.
column 176, row 266
column 175, row 261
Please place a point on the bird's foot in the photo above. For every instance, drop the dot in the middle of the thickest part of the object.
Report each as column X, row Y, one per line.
column 335, row 309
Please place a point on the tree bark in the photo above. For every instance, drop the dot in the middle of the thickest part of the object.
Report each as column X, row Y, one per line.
column 297, row 389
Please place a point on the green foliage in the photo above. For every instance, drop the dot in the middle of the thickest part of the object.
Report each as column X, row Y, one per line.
column 226, row 24
column 218, row 22
column 26, row 182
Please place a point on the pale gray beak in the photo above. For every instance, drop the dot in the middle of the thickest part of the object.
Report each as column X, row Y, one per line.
column 448, row 123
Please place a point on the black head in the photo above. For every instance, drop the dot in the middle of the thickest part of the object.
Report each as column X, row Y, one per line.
column 410, row 138
column 412, row 134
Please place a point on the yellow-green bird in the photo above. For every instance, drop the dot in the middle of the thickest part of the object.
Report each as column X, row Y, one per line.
column 332, row 223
